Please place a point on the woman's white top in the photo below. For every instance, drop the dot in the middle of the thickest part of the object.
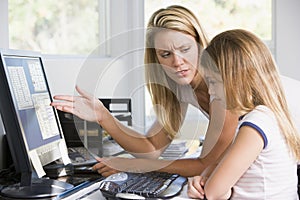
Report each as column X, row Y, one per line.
column 273, row 175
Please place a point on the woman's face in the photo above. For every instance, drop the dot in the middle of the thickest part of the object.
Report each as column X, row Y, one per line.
column 178, row 54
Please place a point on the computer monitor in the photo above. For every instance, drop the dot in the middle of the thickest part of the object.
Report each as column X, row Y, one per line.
column 32, row 126
column 5, row 158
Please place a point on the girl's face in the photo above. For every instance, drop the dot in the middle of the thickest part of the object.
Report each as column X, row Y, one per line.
column 215, row 86
column 178, row 54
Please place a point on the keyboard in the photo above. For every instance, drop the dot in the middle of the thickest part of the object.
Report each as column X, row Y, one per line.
column 127, row 185
column 80, row 156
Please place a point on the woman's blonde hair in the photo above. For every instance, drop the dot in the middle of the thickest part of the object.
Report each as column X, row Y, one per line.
column 250, row 78
column 160, row 86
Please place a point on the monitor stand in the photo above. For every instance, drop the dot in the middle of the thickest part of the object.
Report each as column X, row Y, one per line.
column 39, row 188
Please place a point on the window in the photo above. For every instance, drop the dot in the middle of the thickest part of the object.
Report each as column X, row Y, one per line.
column 219, row 15
column 56, row 27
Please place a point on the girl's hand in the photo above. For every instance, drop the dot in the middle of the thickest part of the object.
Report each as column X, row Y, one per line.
column 85, row 106
column 196, row 187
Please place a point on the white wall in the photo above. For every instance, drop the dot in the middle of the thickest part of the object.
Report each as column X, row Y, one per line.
column 288, row 52
column 120, row 74
column 288, row 37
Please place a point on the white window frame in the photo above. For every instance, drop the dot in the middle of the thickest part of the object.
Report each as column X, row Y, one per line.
column 4, row 24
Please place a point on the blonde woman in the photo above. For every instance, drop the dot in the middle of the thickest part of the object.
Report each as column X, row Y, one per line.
column 262, row 161
column 174, row 42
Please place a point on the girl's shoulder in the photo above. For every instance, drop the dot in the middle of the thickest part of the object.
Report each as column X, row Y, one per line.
column 264, row 121
column 260, row 113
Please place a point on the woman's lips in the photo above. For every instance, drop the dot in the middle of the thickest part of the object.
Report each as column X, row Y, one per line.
column 182, row 73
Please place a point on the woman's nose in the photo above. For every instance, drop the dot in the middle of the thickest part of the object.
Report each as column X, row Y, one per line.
column 178, row 60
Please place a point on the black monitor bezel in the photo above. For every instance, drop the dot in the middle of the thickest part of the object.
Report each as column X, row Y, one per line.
column 14, row 136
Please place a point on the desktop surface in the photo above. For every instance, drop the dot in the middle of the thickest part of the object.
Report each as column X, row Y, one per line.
column 91, row 191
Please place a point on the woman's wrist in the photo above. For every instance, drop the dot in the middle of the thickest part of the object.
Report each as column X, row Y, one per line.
column 102, row 115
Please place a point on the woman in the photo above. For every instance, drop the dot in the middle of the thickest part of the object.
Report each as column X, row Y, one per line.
column 262, row 161
column 174, row 42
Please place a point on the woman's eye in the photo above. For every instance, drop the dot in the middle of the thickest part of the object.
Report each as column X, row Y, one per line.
column 184, row 50
column 165, row 54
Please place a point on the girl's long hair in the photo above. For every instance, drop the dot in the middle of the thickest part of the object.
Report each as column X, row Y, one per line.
column 250, row 78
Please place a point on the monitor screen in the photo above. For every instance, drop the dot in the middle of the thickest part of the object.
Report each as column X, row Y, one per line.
column 32, row 100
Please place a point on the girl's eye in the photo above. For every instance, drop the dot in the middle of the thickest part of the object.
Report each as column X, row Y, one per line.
column 212, row 82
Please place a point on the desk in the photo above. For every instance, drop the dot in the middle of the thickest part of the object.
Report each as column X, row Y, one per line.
column 97, row 195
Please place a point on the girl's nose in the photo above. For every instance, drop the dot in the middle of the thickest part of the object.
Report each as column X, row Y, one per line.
column 211, row 90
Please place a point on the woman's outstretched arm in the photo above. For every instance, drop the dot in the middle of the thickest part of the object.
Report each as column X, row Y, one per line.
column 89, row 108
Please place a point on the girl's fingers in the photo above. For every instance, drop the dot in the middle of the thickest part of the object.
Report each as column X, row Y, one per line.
column 195, row 182
column 203, row 181
column 193, row 191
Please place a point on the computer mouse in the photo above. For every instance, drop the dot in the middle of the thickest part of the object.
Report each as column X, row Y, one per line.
column 121, row 176
column 129, row 196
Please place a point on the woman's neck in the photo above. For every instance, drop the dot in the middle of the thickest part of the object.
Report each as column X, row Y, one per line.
column 203, row 97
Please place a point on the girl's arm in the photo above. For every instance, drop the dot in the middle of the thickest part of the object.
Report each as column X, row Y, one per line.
column 193, row 167
column 240, row 156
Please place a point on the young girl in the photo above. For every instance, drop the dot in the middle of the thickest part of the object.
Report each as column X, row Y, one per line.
column 262, row 161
